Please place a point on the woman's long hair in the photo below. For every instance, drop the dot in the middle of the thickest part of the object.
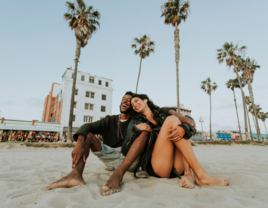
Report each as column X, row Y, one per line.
column 150, row 103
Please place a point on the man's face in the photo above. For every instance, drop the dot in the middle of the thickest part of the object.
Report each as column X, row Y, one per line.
column 125, row 106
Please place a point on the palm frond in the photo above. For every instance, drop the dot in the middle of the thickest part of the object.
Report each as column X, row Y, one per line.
column 70, row 5
column 81, row 5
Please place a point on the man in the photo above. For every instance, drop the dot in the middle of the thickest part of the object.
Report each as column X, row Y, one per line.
column 113, row 130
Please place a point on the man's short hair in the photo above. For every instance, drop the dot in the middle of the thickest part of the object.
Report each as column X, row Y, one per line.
column 129, row 93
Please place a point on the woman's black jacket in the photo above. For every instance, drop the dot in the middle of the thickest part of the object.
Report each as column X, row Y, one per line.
column 133, row 132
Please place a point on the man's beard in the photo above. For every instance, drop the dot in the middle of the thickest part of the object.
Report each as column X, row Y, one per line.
column 128, row 111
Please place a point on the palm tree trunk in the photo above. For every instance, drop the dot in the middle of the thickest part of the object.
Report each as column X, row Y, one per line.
column 77, row 55
column 237, row 115
column 245, row 115
column 177, row 59
column 245, row 119
column 249, row 124
column 265, row 130
column 210, row 119
column 138, row 77
column 254, row 110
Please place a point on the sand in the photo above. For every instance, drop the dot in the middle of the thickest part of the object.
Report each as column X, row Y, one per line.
column 25, row 172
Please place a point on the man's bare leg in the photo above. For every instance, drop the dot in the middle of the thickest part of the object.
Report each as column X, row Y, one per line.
column 75, row 178
column 112, row 185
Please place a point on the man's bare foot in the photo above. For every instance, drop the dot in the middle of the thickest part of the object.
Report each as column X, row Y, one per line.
column 112, row 185
column 187, row 181
column 208, row 180
column 71, row 180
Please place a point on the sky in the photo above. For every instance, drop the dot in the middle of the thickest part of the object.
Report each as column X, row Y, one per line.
column 37, row 46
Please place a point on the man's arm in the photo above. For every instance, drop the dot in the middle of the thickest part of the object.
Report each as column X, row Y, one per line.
column 94, row 128
column 182, row 118
column 172, row 111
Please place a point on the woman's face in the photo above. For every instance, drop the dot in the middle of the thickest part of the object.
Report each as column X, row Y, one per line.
column 138, row 104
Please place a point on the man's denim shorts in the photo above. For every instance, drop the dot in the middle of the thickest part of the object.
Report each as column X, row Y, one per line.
column 113, row 158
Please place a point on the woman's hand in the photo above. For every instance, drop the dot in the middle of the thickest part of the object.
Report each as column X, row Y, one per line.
column 176, row 134
column 144, row 127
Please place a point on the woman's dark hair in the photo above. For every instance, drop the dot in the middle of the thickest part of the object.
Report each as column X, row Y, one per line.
column 150, row 103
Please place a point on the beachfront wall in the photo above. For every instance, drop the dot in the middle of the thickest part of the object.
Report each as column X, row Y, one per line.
column 264, row 136
column 93, row 100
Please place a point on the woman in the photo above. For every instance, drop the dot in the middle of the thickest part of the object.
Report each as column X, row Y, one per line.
column 168, row 152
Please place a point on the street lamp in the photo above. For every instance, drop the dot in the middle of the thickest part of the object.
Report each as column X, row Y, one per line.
column 201, row 121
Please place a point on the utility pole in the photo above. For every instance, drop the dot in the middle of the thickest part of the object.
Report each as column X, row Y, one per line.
column 201, row 121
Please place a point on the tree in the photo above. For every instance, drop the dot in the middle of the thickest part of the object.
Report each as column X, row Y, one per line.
column 176, row 11
column 146, row 47
column 249, row 68
column 84, row 21
column 263, row 116
column 208, row 87
column 232, row 84
column 247, row 102
column 230, row 53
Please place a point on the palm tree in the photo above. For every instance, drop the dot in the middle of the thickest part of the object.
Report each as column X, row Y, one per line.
column 230, row 53
column 249, row 69
column 247, row 102
column 263, row 116
column 146, row 47
column 208, row 87
column 176, row 11
column 83, row 20
column 232, row 84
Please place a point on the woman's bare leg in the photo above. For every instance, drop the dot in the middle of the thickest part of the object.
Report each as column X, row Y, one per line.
column 163, row 159
column 202, row 177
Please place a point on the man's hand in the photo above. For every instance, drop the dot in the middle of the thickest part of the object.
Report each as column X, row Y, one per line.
column 188, row 120
column 78, row 152
column 176, row 134
column 144, row 127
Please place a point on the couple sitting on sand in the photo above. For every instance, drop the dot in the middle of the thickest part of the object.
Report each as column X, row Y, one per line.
column 143, row 135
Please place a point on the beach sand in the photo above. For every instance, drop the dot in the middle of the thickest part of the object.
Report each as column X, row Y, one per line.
column 25, row 173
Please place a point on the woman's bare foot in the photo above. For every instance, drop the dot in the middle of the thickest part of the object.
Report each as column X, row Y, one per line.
column 187, row 181
column 112, row 185
column 71, row 180
column 208, row 180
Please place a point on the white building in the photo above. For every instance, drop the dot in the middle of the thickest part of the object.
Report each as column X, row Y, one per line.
column 93, row 100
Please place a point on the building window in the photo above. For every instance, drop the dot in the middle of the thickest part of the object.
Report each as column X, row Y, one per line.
column 91, row 79
column 72, row 75
column 73, row 118
column 107, row 84
column 52, row 106
column 88, row 119
column 89, row 106
column 82, row 78
column 75, row 104
column 103, row 108
column 100, row 82
column 51, row 114
column 103, row 97
column 76, row 92
column 90, row 94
